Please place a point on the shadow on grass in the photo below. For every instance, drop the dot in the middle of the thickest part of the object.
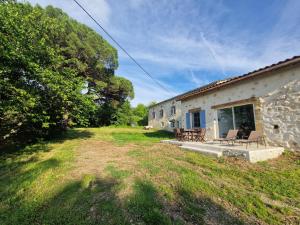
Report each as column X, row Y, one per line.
column 13, row 174
column 145, row 206
column 73, row 134
column 95, row 201
column 87, row 201
column 42, row 146
column 14, row 182
column 203, row 210
column 160, row 134
column 84, row 202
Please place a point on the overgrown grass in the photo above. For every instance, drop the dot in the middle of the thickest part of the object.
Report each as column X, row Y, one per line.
column 149, row 183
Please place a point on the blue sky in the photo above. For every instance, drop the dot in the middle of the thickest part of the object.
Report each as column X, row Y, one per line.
column 186, row 44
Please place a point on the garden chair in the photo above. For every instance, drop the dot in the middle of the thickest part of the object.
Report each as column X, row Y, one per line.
column 254, row 137
column 230, row 137
column 200, row 135
column 184, row 135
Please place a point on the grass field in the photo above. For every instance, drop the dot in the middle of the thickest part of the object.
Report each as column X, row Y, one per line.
column 125, row 176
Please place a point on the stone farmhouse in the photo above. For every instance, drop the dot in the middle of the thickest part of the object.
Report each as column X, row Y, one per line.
column 267, row 100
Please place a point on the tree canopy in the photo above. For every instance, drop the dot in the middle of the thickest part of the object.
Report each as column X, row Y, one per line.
column 54, row 73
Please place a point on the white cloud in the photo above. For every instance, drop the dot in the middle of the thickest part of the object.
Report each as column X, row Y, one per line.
column 187, row 46
column 179, row 40
column 214, row 54
column 196, row 80
column 181, row 53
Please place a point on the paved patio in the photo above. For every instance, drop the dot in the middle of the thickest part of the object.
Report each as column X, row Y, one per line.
column 252, row 153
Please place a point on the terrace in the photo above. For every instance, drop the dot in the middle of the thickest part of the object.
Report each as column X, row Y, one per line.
column 252, row 153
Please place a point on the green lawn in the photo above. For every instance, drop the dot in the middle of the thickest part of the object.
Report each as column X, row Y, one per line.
column 125, row 176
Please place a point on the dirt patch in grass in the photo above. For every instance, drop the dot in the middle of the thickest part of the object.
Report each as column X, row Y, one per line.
column 92, row 157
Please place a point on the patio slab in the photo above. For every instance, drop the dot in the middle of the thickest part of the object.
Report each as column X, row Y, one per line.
column 252, row 153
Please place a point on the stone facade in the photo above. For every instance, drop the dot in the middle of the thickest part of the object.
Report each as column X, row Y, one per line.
column 251, row 91
column 165, row 122
column 275, row 99
column 281, row 116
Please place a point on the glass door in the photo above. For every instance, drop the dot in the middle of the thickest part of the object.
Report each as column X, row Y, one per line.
column 244, row 120
column 225, row 121
column 239, row 118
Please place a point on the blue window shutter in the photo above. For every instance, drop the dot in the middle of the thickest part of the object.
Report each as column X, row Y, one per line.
column 188, row 120
column 202, row 119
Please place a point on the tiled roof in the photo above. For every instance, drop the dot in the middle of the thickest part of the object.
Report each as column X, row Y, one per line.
column 221, row 83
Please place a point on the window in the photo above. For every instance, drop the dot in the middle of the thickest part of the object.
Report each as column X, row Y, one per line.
column 173, row 110
column 225, row 121
column 244, row 119
column 196, row 119
column 178, row 124
column 153, row 115
column 172, row 123
column 162, row 124
column 161, row 113
column 238, row 117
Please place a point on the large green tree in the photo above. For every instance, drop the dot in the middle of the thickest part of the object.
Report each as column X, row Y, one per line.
column 96, row 61
column 47, row 60
column 140, row 114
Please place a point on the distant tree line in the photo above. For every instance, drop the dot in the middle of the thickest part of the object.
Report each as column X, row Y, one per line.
column 56, row 73
column 134, row 116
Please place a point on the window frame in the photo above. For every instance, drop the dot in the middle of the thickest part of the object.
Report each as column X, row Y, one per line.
column 232, row 109
column 161, row 113
column 173, row 110
column 172, row 124
column 197, row 120
column 153, row 115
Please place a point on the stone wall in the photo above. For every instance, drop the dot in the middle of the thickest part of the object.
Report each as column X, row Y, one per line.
column 253, row 88
column 164, row 122
column 264, row 90
column 281, row 116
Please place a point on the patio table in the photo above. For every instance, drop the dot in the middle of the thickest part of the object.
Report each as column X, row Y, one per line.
column 191, row 134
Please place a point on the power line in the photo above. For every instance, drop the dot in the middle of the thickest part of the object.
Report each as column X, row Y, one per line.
column 123, row 49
